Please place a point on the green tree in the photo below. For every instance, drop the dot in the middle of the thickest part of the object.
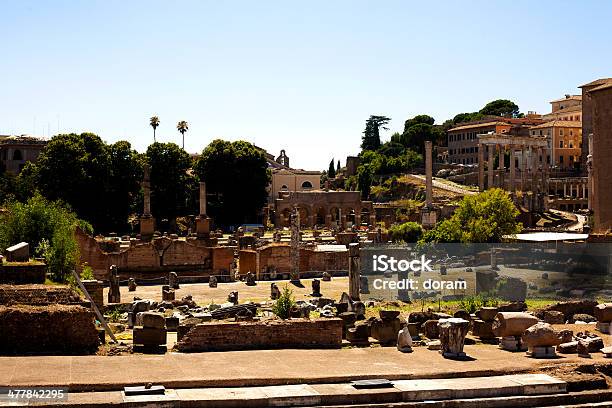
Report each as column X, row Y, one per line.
column 406, row 232
column 169, row 164
column 501, row 107
column 76, row 169
column 154, row 122
column 182, row 127
column 467, row 117
column 338, row 167
column 415, row 136
column 47, row 226
column 124, row 185
column 236, row 176
column 424, row 119
column 331, row 171
column 481, row 218
column 371, row 135
column 98, row 181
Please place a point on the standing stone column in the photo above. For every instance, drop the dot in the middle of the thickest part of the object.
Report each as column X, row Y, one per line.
column 481, row 164
column 428, row 174
column 512, row 170
column 202, row 220
column 590, row 171
column 295, row 245
column 146, row 186
column 114, row 294
column 523, row 167
column 147, row 222
column 501, row 166
column 202, row 198
column 491, row 166
column 533, row 165
column 353, row 253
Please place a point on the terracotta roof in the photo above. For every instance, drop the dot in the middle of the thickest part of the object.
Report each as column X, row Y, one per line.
column 478, row 125
column 600, row 81
column 601, row 87
column 559, row 123
column 570, row 98
column 568, row 109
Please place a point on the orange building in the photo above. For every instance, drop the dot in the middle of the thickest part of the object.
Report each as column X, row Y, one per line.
column 564, row 140
column 463, row 139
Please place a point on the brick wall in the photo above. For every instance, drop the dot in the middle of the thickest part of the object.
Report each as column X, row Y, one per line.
column 47, row 330
column 155, row 259
column 270, row 334
column 278, row 256
column 20, row 273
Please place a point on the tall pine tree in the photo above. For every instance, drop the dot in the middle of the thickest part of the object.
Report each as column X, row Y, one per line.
column 371, row 135
column 331, row 172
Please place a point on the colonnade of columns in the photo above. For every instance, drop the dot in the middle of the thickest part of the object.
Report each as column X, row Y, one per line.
column 532, row 157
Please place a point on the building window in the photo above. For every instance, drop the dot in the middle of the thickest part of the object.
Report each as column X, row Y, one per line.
column 571, row 144
column 561, row 144
column 17, row 155
column 284, row 188
column 560, row 132
column 307, row 185
column 561, row 159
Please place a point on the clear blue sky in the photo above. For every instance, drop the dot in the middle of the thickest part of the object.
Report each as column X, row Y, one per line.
column 300, row 76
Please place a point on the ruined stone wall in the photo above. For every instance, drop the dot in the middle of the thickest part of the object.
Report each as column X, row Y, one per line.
column 65, row 329
column 271, row 334
column 23, row 273
column 38, row 294
column 155, row 259
column 248, row 261
column 277, row 256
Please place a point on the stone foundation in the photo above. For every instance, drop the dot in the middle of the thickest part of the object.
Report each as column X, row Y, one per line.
column 270, row 334
column 66, row 329
column 20, row 273
column 38, row 295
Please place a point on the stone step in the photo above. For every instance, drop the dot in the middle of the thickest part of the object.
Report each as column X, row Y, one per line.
column 403, row 393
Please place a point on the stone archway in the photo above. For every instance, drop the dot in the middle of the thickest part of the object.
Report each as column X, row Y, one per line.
column 365, row 216
column 285, row 217
column 351, row 216
column 320, row 216
column 304, row 216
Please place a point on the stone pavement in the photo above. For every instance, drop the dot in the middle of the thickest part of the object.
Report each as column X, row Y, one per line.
column 520, row 385
column 262, row 367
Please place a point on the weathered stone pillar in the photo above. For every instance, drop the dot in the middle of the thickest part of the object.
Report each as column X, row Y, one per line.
column 481, row 164
column 353, row 253
column 523, row 167
column 295, row 245
column 491, row 166
column 114, row 294
column 428, row 174
column 452, row 336
column 512, row 170
column 564, row 189
column 202, row 220
column 590, row 171
column 147, row 222
column 202, row 198
column 146, row 187
column 501, row 166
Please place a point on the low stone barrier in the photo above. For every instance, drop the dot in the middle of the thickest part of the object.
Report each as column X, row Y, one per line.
column 38, row 295
column 19, row 273
column 66, row 329
column 268, row 334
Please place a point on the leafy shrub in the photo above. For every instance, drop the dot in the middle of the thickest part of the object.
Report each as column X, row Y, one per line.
column 473, row 303
column 47, row 226
column 406, row 232
column 284, row 303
